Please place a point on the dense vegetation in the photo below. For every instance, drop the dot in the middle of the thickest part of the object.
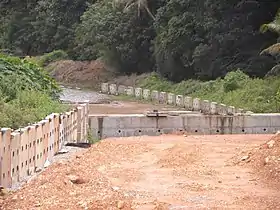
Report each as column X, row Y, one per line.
column 181, row 39
column 27, row 93
column 236, row 88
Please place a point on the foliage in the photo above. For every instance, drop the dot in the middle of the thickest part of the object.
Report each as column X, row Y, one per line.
column 27, row 107
column 257, row 95
column 181, row 39
column 123, row 39
column 273, row 50
column 38, row 26
column 20, row 74
column 26, row 93
column 48, row 58
column 207, row 39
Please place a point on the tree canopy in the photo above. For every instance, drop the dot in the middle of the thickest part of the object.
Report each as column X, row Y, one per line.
column 180, row 39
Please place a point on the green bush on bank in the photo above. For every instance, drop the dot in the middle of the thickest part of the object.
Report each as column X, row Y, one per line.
column 235, row 89
column 27, row 93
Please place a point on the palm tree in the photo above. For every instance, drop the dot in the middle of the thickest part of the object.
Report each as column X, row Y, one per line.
column 141, row 5
column 273, row 26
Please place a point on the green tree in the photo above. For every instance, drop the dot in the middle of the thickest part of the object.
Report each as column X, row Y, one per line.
column 124, row 40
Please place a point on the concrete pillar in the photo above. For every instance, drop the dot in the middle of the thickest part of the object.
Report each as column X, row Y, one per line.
column 155, row 96
column 130, row 91
column 146, row 94
column 5, row 158
column 196, row 104
column 179, row 100
column 231, row 110
column 139, row 93
column 105, row 88
column 171, row 99
column 163, row 97
column 222, row 110
column 214, row 108
column 205, row 107
column 79, row 124
column 39, row 163
column 121, row 89
column 113, row 89
column 15, row 156
column 188, row 103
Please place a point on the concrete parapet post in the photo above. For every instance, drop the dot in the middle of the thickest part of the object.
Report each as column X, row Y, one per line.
column 213, row 108
column 239, row 111
column 231, row 110
column 180, row 100
column 163, row 97
column 206, row 107
column 32, row 148
column 196, row 104
column 79, row 124
column 171, row 99
column 188, row 103
column 5, row 158
column 139, row 93
column 105, row 88
column 121, row 89
column 39, row 163
column 15, row 156
column 222, row 109
column 130, row 91
column 147, row 94
column 155, row 95
column 113, row 89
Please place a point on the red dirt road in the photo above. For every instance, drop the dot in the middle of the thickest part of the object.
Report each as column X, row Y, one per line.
column 164, row 172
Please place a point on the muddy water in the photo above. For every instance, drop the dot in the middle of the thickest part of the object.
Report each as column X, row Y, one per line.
column 77, row 95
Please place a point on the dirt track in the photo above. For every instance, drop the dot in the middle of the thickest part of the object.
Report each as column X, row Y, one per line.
column 164, row 172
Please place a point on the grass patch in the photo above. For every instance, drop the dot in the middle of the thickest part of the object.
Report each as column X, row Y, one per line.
column 236, row 89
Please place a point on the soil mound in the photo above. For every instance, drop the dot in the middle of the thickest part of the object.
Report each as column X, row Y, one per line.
column 265, row 159
column 85, row 73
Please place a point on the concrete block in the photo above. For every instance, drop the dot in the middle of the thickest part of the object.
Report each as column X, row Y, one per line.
column 213, row 108
column 146, row 94
column 39, row 162
column 51, row 136
column 5, row 158
column 105, row 88
column 163, row 97
column 171, row 99
column 138, row 93
column 179, row 100
column 130, row 91
column 121, row 89
column 113, row 89
column 196, row 104
column 171, row 122
column 15, row 156
column 231, row 110
column 222, row 109
column 206, row 107
column 155, row 95
column 188, row 103
column 24, row 154
column 31, row 149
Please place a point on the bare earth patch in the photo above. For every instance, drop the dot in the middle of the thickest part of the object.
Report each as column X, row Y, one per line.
column 164, row 172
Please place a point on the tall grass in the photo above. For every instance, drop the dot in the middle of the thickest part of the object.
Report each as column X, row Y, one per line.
column 236, row 89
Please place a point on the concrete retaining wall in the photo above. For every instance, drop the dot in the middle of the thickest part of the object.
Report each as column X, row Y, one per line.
column 24, row 151
column 187, row 102
column 103, row 126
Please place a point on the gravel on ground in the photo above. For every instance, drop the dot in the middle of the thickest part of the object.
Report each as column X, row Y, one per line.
column 163, row 172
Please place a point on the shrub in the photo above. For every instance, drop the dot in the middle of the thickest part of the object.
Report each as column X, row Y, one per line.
column 20, row 74
column 236, row 89
column 27, row 107
column 52, row 56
